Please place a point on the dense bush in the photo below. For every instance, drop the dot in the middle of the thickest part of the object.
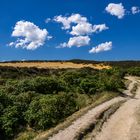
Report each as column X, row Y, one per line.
column 10, row 120
column 46, row 111
column 134, row 71
column 88, row 86
column 40, row 99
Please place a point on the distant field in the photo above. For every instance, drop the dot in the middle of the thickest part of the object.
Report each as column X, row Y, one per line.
column 56, row 65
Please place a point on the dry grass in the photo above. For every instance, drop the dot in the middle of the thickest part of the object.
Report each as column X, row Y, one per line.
column 27, row 135
column 126, row 82
column 134, row 89
column 55, row 65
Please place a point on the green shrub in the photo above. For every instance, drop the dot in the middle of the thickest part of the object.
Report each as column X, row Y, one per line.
column 40, row 99
column 88, row 86
column 10, row 120
column 46, row 111
column 134, row 71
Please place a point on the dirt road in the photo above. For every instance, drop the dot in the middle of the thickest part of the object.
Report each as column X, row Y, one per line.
column 123, row 124
column 80, row 124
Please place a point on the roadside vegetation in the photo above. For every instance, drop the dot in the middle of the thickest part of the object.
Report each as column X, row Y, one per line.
column 33, row 100
column 134, row 71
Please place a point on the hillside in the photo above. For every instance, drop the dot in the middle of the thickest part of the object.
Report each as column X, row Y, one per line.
column 56, row 65
column 33, row 100
column 42, row 98
column 74, row 63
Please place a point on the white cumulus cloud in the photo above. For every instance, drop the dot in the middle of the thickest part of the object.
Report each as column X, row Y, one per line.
column 77, row 41
column 102, row 47
column 60, row 19
column 87, row 28
column 67, row 21
column 80, row 28
column 29, row 35
column 99, row 28
column 135, row 10
column 116, row 10
column 77, row 18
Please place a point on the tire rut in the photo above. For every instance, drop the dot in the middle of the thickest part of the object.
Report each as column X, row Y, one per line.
column 119, row 126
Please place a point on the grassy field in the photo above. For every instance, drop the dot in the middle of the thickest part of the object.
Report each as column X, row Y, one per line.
column 56, row 65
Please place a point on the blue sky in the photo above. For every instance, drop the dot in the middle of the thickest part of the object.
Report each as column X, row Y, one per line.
column 123, row 33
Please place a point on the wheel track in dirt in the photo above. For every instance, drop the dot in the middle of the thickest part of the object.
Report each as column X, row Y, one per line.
column 123, row 124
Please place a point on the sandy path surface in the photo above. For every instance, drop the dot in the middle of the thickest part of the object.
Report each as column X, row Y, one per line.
column 90, row 117
column 123, row 124
column 135, row 129
column 130, row 87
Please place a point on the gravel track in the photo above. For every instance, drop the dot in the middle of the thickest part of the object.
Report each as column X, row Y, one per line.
column 123, row 124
